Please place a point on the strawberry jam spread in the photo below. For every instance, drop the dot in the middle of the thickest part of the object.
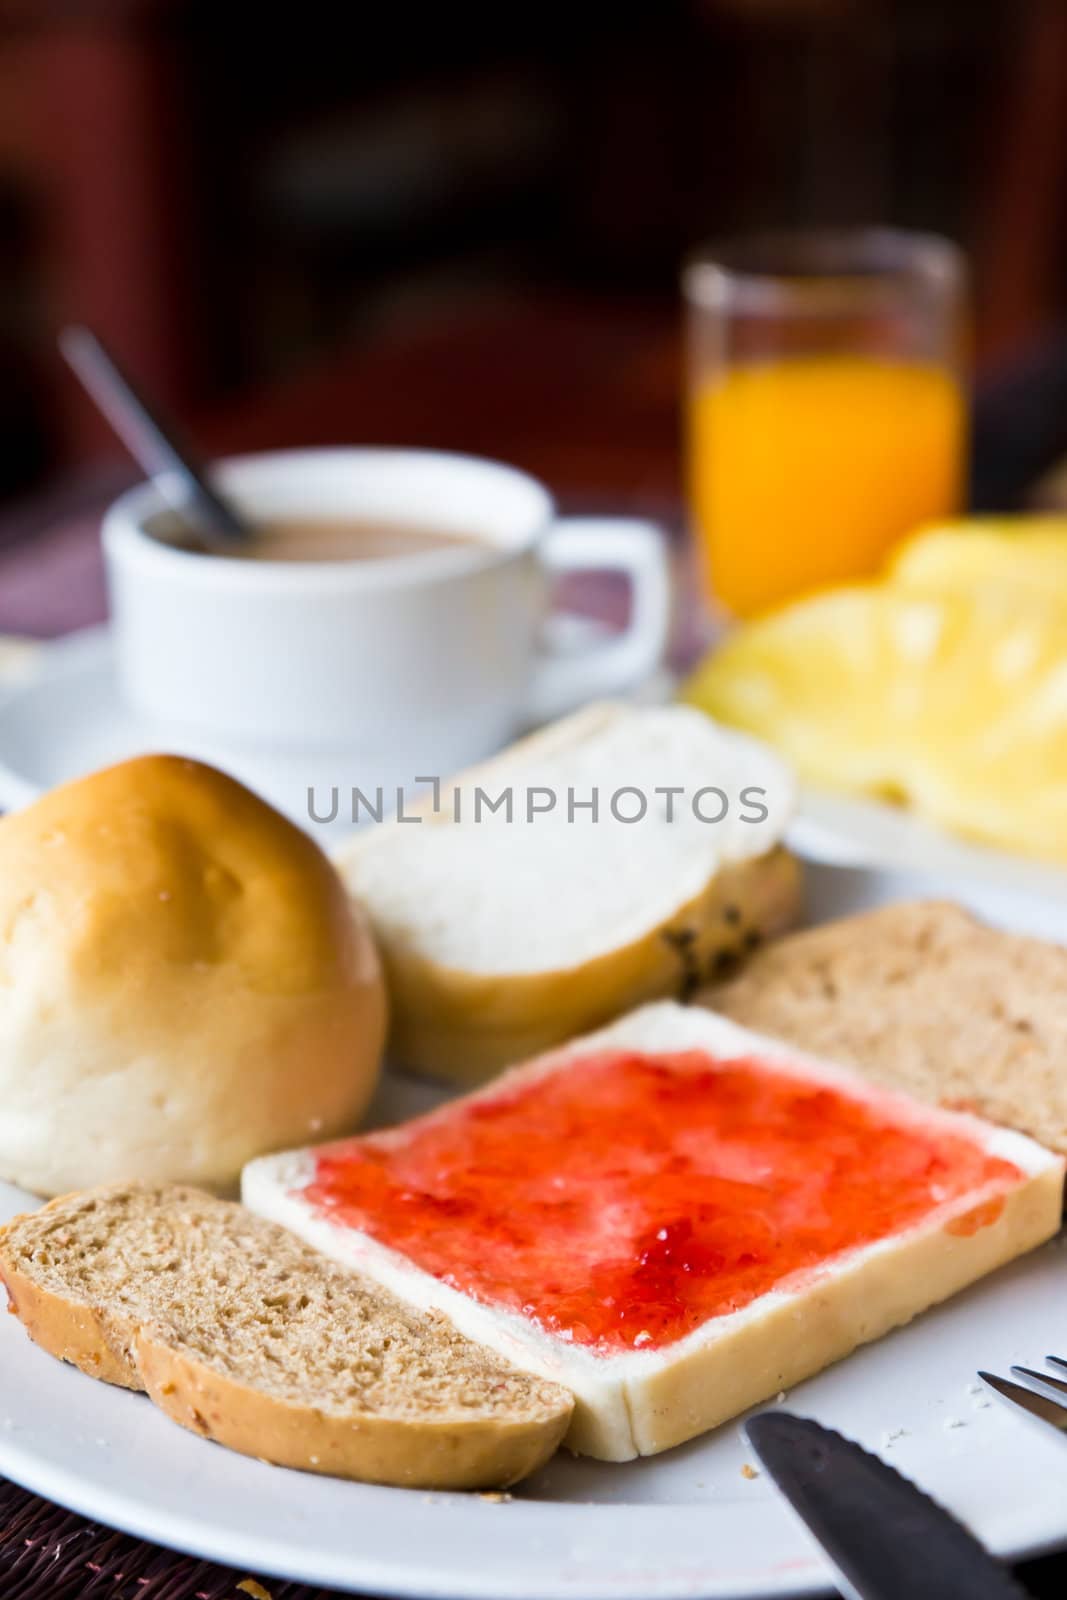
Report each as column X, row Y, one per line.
column 625, row 1199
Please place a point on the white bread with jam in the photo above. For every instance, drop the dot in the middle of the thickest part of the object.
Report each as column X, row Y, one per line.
column 639, row 1401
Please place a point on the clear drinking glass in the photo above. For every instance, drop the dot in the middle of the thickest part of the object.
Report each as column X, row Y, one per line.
column 827, row 414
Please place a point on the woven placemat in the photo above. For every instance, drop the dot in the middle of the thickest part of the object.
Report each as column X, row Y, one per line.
column 47, row 1553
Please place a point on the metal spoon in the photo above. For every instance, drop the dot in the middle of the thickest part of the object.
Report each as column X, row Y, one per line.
column 215, row 521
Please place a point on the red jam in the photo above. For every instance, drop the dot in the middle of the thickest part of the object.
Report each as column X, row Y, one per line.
column 626, row 1198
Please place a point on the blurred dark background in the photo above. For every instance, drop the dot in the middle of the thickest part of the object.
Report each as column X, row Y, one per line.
column 346, row 223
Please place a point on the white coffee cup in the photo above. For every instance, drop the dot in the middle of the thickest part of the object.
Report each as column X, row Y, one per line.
column 411, row 665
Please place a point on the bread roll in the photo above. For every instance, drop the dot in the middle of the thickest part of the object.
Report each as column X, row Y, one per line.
column 184, row 983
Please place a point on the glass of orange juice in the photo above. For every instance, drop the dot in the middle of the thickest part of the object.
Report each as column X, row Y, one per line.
column 827, row 414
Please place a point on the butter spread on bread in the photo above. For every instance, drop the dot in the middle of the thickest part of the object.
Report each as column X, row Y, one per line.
column 505, row 933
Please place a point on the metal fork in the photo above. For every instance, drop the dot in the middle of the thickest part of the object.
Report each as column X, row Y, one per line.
column 1032, row 1401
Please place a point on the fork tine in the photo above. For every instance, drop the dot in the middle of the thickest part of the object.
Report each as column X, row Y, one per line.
column 1056, row 1361
column 1059, row 1384
column 1037, row 1405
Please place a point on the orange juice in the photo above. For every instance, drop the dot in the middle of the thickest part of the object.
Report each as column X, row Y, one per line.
column 805, row 470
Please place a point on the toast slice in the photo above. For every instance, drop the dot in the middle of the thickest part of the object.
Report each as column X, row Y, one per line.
column 504, row 936
column 674, row 1218
column 925, row 998
column 242, row 1334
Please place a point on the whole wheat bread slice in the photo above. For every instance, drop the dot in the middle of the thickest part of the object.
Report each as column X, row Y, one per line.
column 244, row 1335
column 923, row 997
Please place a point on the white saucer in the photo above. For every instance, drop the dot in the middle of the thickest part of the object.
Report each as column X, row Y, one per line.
column 61, row 716
column 65, row 718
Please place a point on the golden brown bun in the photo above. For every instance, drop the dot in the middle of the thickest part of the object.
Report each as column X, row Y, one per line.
column 184, row 983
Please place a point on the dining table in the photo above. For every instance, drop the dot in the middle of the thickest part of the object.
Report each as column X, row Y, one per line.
column 586, row 396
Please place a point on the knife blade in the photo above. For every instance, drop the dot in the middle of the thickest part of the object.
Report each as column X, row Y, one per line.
column 886, row 1539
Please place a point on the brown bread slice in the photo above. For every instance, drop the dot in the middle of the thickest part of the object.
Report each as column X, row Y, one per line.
column 922, row 997
column 243, row 1334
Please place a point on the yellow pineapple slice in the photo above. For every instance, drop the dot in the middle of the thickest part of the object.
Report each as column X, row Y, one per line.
column 835, row 681
column 953, row 702
column 1028, row 553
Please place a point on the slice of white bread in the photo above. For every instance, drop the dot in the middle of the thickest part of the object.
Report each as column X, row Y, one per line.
column 925, row 998
column 242, row 1334
column 632, row 1401
column 502, row 938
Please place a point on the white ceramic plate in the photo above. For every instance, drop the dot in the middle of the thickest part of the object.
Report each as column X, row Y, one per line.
column 837, row 828
column 687, row 1523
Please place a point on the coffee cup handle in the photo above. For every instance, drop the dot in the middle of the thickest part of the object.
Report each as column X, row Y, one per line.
column 564, row 679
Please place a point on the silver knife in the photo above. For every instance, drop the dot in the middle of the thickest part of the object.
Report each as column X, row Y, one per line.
column 885, row 1538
